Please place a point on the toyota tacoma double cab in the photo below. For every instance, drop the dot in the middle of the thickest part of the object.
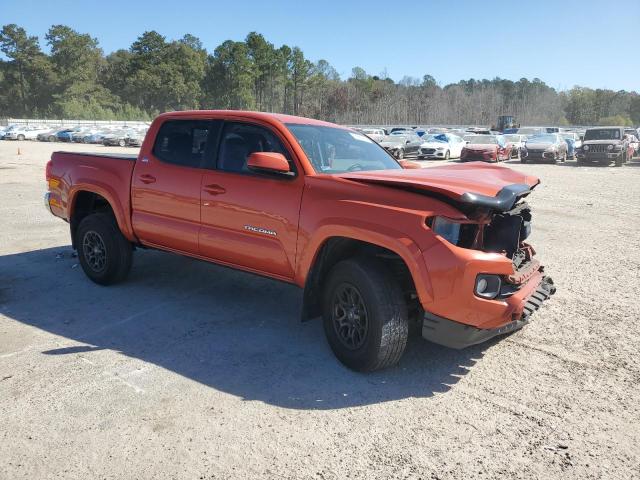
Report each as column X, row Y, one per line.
column 604, row 145
column 374, row 243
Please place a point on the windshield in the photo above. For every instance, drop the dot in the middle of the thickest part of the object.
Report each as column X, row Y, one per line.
column 603, row 134
column 336, row 150
column 542, row 139
column 435, row 138
column 528, row 131
column 483, row 140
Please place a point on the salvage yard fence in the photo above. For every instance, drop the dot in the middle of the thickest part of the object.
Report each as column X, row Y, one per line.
column 69, row 122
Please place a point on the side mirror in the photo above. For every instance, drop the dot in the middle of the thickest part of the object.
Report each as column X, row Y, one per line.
column 268, row 162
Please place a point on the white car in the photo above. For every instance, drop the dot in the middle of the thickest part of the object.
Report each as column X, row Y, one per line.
column 441, row 146
column 517, row 142
column 28, row 132
column 375, row 134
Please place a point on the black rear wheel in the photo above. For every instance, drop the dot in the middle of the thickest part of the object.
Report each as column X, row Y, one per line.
column 104, row 253
column 365, row 314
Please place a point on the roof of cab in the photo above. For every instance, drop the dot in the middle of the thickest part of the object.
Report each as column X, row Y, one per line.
column 280, row 117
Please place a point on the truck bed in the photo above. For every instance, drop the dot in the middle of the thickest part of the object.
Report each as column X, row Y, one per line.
column 116, row 156
column 107, row 174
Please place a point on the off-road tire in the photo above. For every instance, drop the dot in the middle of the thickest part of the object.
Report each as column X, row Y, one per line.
column 386, row 312
column 619, row 160
column 118, row 252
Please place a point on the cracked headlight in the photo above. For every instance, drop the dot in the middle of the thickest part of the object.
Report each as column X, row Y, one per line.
column 447, row 229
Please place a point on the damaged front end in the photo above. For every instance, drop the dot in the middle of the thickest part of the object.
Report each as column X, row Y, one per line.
column 503, row 298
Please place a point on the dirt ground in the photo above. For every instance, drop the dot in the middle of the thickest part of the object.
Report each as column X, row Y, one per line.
column 190, row 370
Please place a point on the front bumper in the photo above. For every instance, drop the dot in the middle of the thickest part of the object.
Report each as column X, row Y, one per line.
column 457, row 335
column 598, row 156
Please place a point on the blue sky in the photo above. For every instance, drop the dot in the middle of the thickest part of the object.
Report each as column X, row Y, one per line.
column 564, row 43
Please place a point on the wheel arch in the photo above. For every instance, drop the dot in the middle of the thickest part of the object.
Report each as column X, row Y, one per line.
column 84, row 201
column 406, row 262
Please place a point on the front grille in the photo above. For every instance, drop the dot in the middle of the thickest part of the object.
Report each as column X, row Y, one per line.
column 428, row 150
column 597, row 148
column 535, row 300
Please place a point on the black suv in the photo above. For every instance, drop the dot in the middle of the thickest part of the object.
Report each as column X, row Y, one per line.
column 603, row 145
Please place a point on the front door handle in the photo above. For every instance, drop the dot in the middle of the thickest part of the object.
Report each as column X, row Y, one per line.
column 214, row 189
column 147, row 178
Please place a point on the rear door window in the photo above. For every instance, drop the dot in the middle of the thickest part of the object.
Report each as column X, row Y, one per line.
column 186, row 142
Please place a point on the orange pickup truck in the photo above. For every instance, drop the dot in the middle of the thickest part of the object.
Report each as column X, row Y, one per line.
column 374, row 245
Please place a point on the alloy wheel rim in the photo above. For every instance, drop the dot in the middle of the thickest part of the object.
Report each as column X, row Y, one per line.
column 94, row 250
column 350, row 319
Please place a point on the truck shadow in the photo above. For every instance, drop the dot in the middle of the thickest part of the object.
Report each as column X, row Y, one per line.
column 229, row 330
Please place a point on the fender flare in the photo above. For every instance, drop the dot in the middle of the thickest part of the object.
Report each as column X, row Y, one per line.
column 375, row 234
column 105, row 191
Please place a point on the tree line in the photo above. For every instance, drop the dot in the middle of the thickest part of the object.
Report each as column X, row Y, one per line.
column 76, row 80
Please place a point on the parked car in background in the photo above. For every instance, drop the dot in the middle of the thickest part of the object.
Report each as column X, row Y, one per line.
column 49, row 135
column 573, row 143
column 486, row 148
column 136, row 138
column 401, row 143
column 4, row 129
column 78, row 137
column 528, row 131
column 545, row 146
column 96, row 137
column 375, row 134
column 66, row 134
column 24, row 132
column 400, row 129
column 517, row 143
column 441, row 146
column 122, row 138
column 604, row 145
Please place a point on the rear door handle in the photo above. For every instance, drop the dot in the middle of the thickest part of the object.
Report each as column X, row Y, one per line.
column 214, row 189
column 147, row 178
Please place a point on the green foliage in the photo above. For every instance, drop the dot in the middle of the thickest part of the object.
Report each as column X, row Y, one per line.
column 617, row 120
column 155, row 75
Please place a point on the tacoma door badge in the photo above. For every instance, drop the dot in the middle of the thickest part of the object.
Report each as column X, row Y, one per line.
column 261, row 230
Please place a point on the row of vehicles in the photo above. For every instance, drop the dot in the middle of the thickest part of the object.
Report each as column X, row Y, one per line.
column 528, row 144
column 110, row 136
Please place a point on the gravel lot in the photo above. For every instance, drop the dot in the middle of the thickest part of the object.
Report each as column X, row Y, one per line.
column 189, row 370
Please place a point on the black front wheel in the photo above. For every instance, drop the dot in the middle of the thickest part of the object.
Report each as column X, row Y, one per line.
column 364, row 314
column 104, row 253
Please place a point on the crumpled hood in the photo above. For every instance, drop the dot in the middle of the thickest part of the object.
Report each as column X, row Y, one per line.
column 474, row 182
